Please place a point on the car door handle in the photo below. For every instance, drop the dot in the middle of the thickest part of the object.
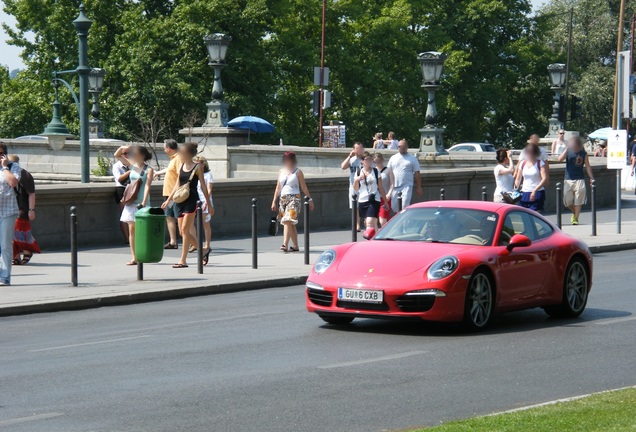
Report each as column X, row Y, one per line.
column 544, row 255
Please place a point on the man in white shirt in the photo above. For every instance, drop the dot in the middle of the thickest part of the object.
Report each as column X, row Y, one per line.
column 353, row 163
column 404, row 169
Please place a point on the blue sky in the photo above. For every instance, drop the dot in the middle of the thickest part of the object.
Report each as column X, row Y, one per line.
column 10, row 55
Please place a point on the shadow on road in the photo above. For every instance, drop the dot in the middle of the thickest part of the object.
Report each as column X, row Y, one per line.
column 513, row 322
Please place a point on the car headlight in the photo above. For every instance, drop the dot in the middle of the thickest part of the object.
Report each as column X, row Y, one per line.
column 324, row 261
column 443, row 268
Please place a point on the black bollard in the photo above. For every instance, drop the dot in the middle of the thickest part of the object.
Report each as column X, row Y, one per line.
column 354, row 218
column 442, row 195
column 559, row 200
column 254, row 234
column 200, row 235
column 400, row 203
column 140, row 271
column 306, row 222
column 74, row 246
column 593, row 203
column 484, row 193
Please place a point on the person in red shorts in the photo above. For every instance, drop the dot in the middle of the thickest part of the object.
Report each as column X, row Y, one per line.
column 385, row 179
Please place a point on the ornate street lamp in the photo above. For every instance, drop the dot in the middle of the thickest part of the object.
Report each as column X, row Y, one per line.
column 95, row 85
column 82, row 24
column 56, row 130
column 432, row 63
column 217, row 44
column 558, row 75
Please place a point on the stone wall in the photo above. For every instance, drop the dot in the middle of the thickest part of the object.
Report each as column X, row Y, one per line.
column 98, row 213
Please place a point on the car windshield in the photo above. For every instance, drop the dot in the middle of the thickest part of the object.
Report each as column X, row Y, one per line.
column 442, row 225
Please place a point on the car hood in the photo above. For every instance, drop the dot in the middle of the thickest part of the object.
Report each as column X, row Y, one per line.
column 382, row 258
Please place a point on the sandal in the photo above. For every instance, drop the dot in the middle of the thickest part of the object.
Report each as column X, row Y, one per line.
column 26, row 258
column 171, row 246
column 178, row 266
column 192, row 249
column 284, row 248
column 132, row 263
column 206, row 257
column 294, row 249
column 17, row 262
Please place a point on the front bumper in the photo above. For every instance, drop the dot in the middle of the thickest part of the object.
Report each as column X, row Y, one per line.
column 448, row 307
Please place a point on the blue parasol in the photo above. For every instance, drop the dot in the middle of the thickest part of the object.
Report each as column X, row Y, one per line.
column 601, row 134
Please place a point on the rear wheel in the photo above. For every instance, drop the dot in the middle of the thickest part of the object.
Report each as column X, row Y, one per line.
column 480, row 301
column 576, row 287
column 336, row 320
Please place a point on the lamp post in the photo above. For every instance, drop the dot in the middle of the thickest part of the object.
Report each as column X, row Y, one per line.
column 82, row 25
column 56, row 130
column 95, row 85
column 217, row 44
column 558, row 76
column 432, row 63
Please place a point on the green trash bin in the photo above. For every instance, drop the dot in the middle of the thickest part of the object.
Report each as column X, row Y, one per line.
column 150, row 227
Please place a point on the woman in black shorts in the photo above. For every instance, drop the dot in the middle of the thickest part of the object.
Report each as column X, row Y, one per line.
column 190, row 173
column 370, row 192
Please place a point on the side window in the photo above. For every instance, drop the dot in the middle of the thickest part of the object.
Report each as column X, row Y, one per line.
column 471, row 148
column 543, row 229
column 515, row 223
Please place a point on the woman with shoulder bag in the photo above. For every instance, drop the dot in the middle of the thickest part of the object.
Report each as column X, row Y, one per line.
column 290, row 183
column 185, row 195
column 135, row 157
column 370, row 192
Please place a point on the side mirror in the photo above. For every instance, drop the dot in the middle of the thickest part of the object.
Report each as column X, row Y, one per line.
column 518, row 240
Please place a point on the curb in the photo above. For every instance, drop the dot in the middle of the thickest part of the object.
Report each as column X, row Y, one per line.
column 151, row 296
column 617, row 247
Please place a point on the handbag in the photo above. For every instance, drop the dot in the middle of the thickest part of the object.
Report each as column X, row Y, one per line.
column 132, row 189
column 183, row 192
column 512, row 197
column 273, row 225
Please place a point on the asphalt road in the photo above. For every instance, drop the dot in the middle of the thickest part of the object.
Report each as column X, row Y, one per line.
column 256, row 361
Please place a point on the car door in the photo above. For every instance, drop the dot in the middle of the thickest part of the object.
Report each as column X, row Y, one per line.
column 522, row 271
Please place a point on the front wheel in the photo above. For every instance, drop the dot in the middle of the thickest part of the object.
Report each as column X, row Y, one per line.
column 480, row 302
column 576, row 287
column 336, row 320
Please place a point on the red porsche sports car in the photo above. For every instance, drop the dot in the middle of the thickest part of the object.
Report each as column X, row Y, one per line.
column 453, row 261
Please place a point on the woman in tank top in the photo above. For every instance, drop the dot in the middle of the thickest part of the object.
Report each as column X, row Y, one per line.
column 532, row 175
column 190, row 173
column 291, row 182
column 136, row 157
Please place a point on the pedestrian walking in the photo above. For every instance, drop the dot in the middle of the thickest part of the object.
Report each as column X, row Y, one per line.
column 353, row 163
column 370, row 192
column 404, row 169
column 559, row 145
column 171, row 174
column 121, row 174
column 574, row 191
column 391, row 143
column 503, row 174
column 9, row 211
column 208, row 212
column 24, row 245
column 291, row 181
column 387, row 185
column 185, row 195
column 378, row 142
column 137, row 159
column 532, row 176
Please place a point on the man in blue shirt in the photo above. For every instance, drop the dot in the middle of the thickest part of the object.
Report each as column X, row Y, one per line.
column 576, row 162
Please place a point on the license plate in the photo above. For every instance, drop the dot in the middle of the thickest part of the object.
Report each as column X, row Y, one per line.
column 362, row 296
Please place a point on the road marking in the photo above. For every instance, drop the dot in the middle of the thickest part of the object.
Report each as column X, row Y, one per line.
column 11, row 422
column 557, row 401
column 89, row 343
column 616, row 320
column 372, row 360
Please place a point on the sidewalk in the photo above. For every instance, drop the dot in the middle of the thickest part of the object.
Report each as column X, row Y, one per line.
column 44, row 284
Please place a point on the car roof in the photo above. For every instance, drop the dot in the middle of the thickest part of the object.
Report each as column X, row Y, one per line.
column 466, row 204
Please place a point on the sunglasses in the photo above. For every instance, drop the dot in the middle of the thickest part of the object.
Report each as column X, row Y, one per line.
column 561, row 133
